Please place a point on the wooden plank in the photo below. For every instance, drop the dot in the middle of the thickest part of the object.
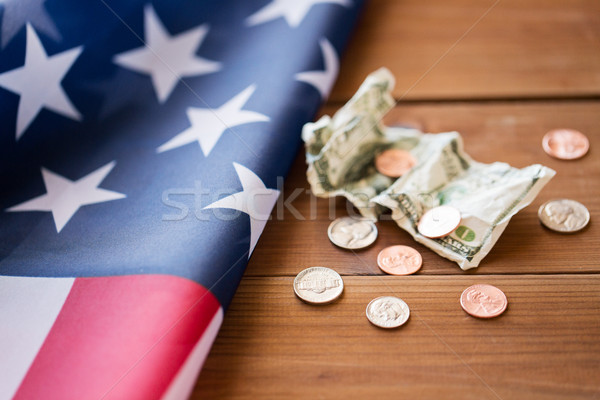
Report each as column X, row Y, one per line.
column 545, row 346
column 509, row 132
column 536, row 48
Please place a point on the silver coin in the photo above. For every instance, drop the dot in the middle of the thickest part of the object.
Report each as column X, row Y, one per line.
column 564, row 215
column 318, row 285
column 388, row 312
column 352, row 233
column 439, row 222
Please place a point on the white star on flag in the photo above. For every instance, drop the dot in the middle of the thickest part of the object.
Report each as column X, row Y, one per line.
column 255, row 200
column 18, row 13
column 167, row 58
column 323, row 80
column 38, row 82
column 64, row 197
column 293, row 11
column 209, row 124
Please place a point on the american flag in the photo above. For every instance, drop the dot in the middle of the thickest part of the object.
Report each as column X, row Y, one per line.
column 140, row 148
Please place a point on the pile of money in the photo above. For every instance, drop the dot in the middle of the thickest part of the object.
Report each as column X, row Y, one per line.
column 447, row 201
column 411, row 173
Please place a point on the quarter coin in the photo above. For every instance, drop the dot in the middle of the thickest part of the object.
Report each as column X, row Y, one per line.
column 483, row 301
column 399, row 260
column 564, row 215
column 388, row 312
column 352, row 233
column 439, row 222
column 565, row 144
column 318, row 285
column 394, row 162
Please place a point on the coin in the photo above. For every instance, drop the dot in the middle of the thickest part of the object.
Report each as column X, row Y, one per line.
column 566, row 144
column 483, row 301
column 564, row 215
column 399, row 260
column 394, row 162
column 318, row 285
column 439, row 222
column 352, row 233
column 387, row 312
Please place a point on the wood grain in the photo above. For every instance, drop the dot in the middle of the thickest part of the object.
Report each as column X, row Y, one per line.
column 545, row 346
column 441, row 49
column 509, row 132
column 502, row 73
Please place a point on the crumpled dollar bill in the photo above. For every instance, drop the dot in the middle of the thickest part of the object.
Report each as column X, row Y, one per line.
column 341, row 150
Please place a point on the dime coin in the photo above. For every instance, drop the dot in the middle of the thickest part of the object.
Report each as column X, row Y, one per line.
column 318, row 285
column 566, row 144
column 388, row 312
column 439, row 222
column 564, row 215
column 483, row 301
column 352, row 233
column 399, row 260
column 394, row 162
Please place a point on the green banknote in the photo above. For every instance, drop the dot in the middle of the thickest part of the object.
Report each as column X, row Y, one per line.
column 341, row 151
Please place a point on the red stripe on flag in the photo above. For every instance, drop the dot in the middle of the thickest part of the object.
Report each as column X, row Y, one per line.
column 120, row 338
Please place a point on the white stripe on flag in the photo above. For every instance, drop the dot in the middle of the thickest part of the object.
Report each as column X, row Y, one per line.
column 28, row 309
column 183, row 383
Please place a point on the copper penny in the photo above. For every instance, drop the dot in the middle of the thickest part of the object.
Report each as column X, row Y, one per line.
column 439, row 222
column 399, row 260
column 394, row 162
column 483, row 301
column 565, row 144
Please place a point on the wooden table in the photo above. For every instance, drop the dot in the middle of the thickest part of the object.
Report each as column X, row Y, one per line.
column 502, row 73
